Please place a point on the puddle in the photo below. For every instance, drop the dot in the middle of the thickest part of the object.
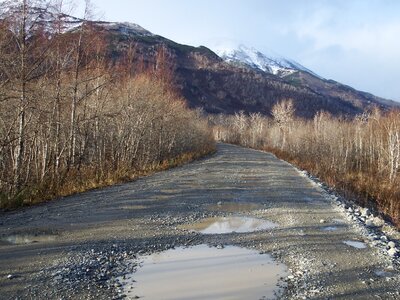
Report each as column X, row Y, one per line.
column 204, row 272
column 223, row 225
column 355, row 244
column 339, row 221
column 234, row 207
column 385, row 273
column 329, row 228
column 22, row 239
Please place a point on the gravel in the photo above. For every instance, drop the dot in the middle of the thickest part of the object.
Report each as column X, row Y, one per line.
column 100, row 235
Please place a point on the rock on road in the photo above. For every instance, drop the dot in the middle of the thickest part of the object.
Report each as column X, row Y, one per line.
column 76, row 247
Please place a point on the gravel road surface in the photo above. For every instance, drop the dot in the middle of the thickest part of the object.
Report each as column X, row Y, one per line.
column 77, row 247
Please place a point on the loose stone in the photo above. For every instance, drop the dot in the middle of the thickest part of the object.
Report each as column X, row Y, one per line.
column 365, row 212
column 392, row 252
column 369, row 223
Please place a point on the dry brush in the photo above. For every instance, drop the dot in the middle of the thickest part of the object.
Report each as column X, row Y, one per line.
column 360, row 157
column 71, row 119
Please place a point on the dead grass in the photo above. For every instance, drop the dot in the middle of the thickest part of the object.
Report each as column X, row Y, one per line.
column 85, row 179
column 366, row 189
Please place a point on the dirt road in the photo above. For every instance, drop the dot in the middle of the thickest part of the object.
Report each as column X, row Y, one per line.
column 77, row 247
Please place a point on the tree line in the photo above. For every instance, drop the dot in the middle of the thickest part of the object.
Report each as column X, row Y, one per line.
column 360, row 156
column 71, row 118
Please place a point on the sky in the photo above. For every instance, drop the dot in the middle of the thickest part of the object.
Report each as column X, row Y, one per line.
column 355, row 42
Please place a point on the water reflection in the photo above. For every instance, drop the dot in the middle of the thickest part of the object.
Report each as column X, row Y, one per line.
column 204, row 272
column 221, row 225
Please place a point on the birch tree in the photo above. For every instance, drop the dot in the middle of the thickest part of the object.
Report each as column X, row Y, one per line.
column 23, row 61
column 283, row 114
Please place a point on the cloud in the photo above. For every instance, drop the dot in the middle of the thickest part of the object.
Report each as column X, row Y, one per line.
column 353, row 42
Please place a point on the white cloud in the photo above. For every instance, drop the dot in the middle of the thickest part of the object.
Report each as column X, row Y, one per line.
column 355, row 43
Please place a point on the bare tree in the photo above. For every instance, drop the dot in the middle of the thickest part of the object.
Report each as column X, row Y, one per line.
column 23, row 63
column 71, row 119
column 283, row 113
column 257, row 124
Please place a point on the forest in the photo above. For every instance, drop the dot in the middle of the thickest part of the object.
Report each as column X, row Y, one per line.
column 359, row 157
column 71, row 119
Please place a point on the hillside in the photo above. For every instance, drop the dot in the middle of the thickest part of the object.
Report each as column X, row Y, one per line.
column 233, row 80
column 226, row 86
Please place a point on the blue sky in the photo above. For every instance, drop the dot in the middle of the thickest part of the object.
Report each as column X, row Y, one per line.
column 356, row 42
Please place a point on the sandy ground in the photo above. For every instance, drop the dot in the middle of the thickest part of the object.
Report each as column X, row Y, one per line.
column 77, row 247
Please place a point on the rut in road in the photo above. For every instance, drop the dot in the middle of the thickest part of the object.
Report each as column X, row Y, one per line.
column 314, row 237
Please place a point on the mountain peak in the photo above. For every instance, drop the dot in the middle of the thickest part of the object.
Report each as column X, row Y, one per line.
column 125, row 28
column 270, row 62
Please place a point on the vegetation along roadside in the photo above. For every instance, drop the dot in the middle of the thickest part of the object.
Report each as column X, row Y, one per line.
column 72, row 119
column 359, row 157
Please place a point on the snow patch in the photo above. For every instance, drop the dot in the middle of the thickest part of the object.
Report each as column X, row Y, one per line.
column 267, row 62
column 125, row 28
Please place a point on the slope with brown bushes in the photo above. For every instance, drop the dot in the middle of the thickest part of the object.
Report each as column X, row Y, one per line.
column 71, row 121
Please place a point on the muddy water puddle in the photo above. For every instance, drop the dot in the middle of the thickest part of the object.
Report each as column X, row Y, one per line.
column 339, row 221
column 22, row 239
column 329, row 228
column 222, row 225
column 385, row 273
column 355, row 244
column 234, row 207
column 204, row 272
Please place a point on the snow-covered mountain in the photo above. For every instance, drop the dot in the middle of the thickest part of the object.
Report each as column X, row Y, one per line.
column 271, row 63
column 125, row 28
column 227, row 88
